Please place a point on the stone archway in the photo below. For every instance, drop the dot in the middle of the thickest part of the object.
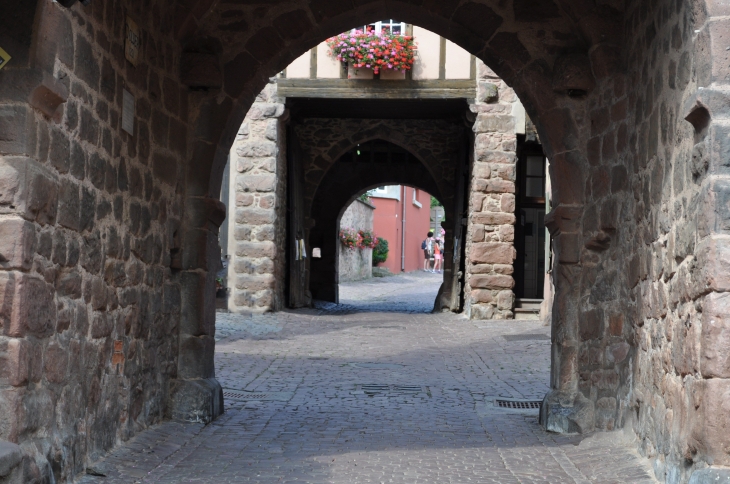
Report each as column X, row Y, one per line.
column 112, row 235
column 339, row 186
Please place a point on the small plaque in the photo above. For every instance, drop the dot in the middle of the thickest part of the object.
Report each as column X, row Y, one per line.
column 127, row 112
column 317, row 253
column 132, row 42
column 4, row 58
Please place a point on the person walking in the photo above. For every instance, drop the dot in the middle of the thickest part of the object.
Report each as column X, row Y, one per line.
column 437, row 256
column 427, row 246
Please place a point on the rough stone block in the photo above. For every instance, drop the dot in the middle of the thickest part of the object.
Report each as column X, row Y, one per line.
column 255, row 183
column 10, row 456
column 257, row 149
column 28, row 189
column 714, row 420
column 17, row 243
column 491, row 281
column 164, row 168
column 591, row 325
column 255, row 283
column 255, row 216
column 481, row 296
column 48, row 95
column 492, row 253
column 567, row 413
column 199, row 401
column 55, row 363
column 29, row 306
column 493, row 218
column 487, row 123
column 568, row 247
column 18, row 130
column 713, row 259
column 710, row 476
column 256, row 249
column 715, row 344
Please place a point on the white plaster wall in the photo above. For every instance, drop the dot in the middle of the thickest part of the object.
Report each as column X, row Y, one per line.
column 458, row 62
column 299, row 69
column 327, row 67
column 426, row 65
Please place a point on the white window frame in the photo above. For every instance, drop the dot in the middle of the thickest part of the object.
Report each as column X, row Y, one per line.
column 379, row 26
column 415, row 198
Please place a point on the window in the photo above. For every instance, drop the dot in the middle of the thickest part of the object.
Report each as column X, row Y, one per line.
column 390, row 25
column 535, row 177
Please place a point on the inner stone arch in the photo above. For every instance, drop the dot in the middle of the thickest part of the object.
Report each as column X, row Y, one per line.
column 347, row 178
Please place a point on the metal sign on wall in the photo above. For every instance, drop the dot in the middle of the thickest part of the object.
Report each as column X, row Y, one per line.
column 4, row 58
column 132, row 42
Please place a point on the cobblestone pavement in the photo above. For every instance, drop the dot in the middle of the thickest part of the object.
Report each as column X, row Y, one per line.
column 326, row 396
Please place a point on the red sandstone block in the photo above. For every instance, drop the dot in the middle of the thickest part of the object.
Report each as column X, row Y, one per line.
column 256, row 249
column 255, row 216
column 507, row 203
column 481, row 296
column 28, row 306
column 489, row 281
column 17, row 241
column 492, row 218
column 568, row 247
column 492, row 253
column 55, row 362
column 712, row 420
column 17, row 362
column 715, row 343
column 498, row 185
column 713, row 258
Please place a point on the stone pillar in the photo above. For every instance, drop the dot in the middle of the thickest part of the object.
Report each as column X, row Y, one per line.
column 490, row 248
column 258, row 205
column 195, row 395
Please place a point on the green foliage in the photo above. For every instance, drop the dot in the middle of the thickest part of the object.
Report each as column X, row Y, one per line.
column 435, row 202
column 380, row 251
column 365, row 197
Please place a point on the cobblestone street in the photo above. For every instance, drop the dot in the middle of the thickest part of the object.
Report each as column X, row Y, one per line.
column 349, row 394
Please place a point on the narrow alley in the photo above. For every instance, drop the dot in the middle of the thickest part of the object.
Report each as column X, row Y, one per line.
column 352, row 393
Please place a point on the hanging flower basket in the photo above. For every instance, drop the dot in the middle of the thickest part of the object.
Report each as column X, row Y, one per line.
column 357, row 239
column 367, row 239
column 370, row 51
column 349, row 238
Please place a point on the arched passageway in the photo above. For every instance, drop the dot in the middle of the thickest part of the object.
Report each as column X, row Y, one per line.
column 362, row 167
column 112, row 246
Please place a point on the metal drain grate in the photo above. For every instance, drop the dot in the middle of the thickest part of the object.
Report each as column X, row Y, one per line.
column 519, row 404
column 392, row 390
column 237, row 395
column 244, row 396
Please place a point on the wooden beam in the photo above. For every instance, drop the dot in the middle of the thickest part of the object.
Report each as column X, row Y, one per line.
column 442, row 58
column 387, row 89
column 313, row 63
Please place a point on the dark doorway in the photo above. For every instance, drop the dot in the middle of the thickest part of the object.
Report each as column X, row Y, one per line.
column 530, row 227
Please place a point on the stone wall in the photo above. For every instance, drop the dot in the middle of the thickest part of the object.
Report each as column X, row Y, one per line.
column 258, row 193
column 675, row 389
column 90, row 218
column 356, row 264
column 490, row 248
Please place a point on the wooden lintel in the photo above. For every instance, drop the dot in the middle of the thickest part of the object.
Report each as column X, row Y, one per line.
column 363, row 89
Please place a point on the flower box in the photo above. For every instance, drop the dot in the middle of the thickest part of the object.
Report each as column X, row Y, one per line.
column 377, row 53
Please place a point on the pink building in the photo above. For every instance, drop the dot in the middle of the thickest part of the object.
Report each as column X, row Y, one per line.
column 398, row 210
